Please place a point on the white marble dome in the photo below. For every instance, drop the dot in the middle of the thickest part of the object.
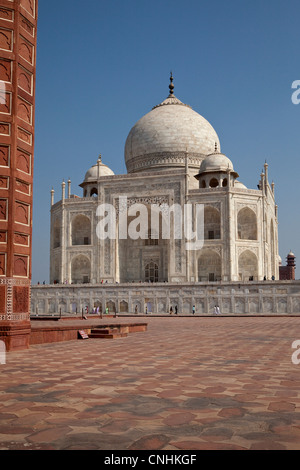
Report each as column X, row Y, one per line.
column 164, row 136
column 239, row 185
column 92, row 173
column 216, row 162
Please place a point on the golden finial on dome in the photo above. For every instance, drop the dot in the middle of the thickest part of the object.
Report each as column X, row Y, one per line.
column 171, row 86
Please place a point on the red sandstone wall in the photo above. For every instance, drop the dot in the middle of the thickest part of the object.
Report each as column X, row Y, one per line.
column 18, row 29
column 286, row 273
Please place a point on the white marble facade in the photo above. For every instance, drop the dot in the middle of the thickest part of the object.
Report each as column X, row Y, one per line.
column 173, row 157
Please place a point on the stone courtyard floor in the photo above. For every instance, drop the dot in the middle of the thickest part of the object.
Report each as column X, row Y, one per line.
column 187, row 383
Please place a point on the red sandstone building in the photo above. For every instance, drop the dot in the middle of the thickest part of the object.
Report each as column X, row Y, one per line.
column 287, row 273
column 18, row 29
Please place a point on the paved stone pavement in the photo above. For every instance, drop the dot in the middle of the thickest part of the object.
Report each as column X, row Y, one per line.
column 184, row 384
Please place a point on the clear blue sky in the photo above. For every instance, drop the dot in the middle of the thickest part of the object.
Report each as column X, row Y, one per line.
column 102, row 65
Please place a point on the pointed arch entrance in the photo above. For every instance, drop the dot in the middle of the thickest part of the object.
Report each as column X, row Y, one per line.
column 209, row 266
column 151, row 272
column 81, row 270
column 248, row 266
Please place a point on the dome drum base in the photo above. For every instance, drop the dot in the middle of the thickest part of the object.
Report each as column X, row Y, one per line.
column 154, row 161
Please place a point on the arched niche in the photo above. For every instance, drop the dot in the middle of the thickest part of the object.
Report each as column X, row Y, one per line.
column 209, row 266
column 94, row 192
column 212, row 223
column 81, row 230
column 151, row 272
column 248, row 266
column 246, row 224
column 56, row 234
column 81, row 270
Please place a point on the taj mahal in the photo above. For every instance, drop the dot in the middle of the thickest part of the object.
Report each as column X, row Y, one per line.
column 173, row 157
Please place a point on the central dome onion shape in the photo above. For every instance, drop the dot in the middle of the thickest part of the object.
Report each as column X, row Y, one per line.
column 167, row 134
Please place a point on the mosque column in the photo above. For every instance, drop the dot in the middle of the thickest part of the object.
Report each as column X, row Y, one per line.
column 63, row 236
column 69, row 188
column 193, row 255
column 51, row 236
column 52, row 196
column 229, row 238
column 18, row 20
column 265, row 269
column 116, row 274
column 276, row 246
column 99, row 244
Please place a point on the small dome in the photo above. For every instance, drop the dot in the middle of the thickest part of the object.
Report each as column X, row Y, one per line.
column 216, row 162
column 238, row 184
column 92, row 173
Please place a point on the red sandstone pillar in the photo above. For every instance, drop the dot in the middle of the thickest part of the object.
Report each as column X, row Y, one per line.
column 18, row 29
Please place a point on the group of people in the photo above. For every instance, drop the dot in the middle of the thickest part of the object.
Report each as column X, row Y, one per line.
column 97, row 310
column 171, row 310
column 216, row 310
column 176, row 310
